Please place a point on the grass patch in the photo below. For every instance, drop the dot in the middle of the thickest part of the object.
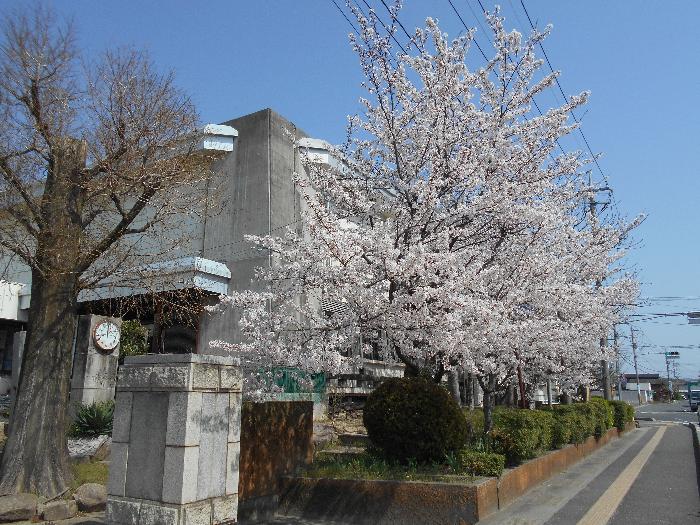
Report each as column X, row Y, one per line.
column 88, row 473
column 369, row 466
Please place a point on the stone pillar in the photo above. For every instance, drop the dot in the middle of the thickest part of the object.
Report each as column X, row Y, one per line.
column 94, row 370
column 176, row 441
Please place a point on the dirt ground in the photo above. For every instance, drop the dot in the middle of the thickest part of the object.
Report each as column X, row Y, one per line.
column 348, row 422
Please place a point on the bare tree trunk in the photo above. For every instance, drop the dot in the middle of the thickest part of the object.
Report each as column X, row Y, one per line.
column 35, row 458
column 36, row 455
column 521, row 389
column 468, row 393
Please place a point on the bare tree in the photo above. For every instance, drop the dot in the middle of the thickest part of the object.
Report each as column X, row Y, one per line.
column 93, row 157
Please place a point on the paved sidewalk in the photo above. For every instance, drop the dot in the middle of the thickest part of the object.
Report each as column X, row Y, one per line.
column 544, row 501
column 649, row 477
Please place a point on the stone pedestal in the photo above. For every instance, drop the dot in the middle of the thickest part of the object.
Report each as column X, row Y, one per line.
column 176, row 441
column 94, row 370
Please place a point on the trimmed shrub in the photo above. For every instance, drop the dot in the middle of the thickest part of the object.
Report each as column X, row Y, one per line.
column 93, row 420
column 562, row 427
column 572, row 424
column 134, row 339
column 414, row 419
column 603, row 415
column 586, row 419
column 521, row 434
column 478, row 463
column 623, row 413
column 475, row 427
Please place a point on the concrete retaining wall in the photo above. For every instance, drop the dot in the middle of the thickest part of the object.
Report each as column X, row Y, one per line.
column 388, row 502
column 393, row 502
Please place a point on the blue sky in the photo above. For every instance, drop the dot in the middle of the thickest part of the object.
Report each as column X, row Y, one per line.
column 640, row 60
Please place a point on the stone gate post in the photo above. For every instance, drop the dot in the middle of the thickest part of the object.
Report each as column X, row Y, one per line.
column 94, row 370
column 175, row 441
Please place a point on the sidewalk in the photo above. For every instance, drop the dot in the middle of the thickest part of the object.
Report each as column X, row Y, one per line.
column 649, row 477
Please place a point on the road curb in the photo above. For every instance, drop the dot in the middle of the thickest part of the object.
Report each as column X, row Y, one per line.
column 696, row 441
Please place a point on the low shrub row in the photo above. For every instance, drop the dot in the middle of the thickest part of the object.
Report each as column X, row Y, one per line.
column 523, row 434
column 479, row 463
column 623, row 413
column 415, row 420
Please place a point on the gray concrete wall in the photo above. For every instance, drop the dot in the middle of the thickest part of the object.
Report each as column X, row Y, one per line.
column 259, row 197
column 94, row 371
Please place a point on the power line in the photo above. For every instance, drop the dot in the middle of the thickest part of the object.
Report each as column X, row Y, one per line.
column 467, row 28
column 556, row 79
column 387, row 29
column 537, row 106
column 345, row 17
column 395, row 19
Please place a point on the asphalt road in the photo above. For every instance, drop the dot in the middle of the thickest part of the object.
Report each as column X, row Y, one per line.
column 678, row 411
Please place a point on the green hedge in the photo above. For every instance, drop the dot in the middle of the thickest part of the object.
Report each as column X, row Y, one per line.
column 521, row 434
column 623, row 413
column 475, row 427
column 477, row 463
column 603, row 415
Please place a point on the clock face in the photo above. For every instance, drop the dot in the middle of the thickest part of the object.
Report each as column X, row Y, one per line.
column 106, row 335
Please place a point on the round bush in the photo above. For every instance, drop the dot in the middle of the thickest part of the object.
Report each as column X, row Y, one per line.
column 414, row 419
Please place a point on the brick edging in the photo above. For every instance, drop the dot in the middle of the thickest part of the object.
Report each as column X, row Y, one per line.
column 389, row 502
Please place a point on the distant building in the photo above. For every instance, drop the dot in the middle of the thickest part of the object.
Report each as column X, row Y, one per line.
column 657, row 384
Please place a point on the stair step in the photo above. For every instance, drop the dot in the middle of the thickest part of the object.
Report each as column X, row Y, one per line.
column 353, row 440
column 340, row 453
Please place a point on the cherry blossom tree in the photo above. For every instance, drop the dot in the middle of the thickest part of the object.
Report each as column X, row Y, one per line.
column 449, row 231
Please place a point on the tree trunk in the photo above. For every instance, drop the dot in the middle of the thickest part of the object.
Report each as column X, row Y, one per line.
column 488, row 386
column 521, row 389
column 489, row 403
column 510, row 396
column 453, row 383
column 36, row 455
column 468, row 391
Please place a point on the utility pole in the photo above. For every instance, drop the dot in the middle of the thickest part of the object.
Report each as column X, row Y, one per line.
column 605, row 371
column 668, row 376
column 636, row 369
column 604, row 368
column 617, row 371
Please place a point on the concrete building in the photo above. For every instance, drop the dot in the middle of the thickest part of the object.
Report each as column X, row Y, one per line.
column 252, row 192
column 255, row 194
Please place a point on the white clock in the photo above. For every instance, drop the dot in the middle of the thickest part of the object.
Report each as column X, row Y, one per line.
column 106, row 336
